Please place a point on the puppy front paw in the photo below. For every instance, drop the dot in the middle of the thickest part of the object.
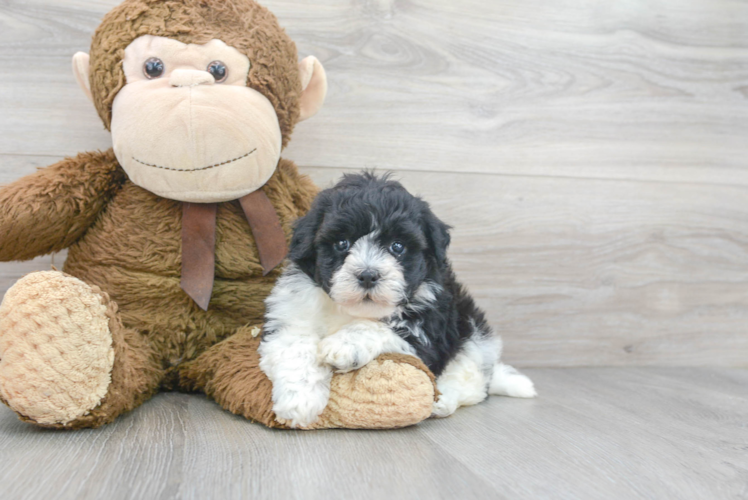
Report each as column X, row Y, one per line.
column 299, row 409
column 345, row 354
column 444, row 407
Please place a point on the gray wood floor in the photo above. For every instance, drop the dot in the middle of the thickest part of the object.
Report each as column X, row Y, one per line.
column 594, row 433
column 592, row 157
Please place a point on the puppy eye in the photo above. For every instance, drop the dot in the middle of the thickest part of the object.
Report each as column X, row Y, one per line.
column 397, row 248
column 219, row 71
column 342, row 246
column 153, row 68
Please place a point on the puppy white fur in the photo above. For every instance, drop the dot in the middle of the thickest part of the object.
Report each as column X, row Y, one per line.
column 368, row 275
column 315, row 336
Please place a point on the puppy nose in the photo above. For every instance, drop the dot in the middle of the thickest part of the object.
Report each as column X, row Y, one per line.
column 190, row 78
column 368, row 279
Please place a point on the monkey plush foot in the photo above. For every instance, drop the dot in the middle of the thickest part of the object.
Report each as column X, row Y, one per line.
column 56, row 353
column 394, row 390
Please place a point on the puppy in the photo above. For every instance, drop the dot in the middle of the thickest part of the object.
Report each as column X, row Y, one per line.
column 369, row 274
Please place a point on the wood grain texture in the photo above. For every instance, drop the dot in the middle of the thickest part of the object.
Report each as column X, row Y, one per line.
column 593, row 433
column 591, row 156
column 646, row 90
column 10, row 272
column 597, row 272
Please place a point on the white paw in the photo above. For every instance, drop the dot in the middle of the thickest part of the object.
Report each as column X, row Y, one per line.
column 507, row 381
column 299, row 409
column 521, row 387
column 444, row 407
column 344, row 353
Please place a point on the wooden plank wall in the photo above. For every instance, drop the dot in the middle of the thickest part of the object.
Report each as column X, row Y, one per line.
column 592, row 156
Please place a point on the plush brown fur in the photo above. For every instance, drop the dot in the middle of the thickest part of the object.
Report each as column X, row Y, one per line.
column 52, row 208
column 126, row 242
column 133, row 251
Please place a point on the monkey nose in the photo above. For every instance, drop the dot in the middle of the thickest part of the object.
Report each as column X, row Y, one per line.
column 190, row 78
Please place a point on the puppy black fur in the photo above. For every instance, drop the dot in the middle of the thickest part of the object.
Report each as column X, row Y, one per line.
column 352, row 209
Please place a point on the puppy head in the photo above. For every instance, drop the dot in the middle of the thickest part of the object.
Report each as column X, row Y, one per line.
column 370, row 245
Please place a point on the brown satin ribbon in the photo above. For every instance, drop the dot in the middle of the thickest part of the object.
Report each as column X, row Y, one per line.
column 266, row 228
column 199, row 242
column 199, row 251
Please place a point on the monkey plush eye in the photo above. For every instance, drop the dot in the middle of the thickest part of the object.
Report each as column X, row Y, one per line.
column 153, row 68
column 342, row 246
column 218, row 70
column 397, row 248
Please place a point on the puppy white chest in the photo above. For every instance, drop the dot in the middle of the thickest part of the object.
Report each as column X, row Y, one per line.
column 337, row 319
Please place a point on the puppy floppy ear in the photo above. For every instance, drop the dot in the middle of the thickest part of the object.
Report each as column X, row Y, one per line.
column 437, row 235
column 303, row 252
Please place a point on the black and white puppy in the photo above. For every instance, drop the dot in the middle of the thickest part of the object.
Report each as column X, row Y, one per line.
column 369, row 274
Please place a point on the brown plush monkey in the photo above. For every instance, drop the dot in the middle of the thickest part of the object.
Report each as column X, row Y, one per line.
column 174, row 235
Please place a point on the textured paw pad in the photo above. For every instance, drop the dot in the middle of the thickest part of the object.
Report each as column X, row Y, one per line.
column 56, row 352
column 384, row 394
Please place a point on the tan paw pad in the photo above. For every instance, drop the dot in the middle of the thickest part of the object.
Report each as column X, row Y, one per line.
column 384, row 394
column 56, row 352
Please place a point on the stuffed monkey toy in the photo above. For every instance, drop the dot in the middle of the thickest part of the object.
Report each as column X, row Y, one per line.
column 175, row 235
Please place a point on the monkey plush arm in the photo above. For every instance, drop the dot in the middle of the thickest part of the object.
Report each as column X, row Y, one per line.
column 50, row 209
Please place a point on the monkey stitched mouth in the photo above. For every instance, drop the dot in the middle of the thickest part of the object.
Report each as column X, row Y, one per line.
column 195, row 169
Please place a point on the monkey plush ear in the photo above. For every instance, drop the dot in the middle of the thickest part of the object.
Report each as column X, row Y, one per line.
column 313, row 86
column 81, row 62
